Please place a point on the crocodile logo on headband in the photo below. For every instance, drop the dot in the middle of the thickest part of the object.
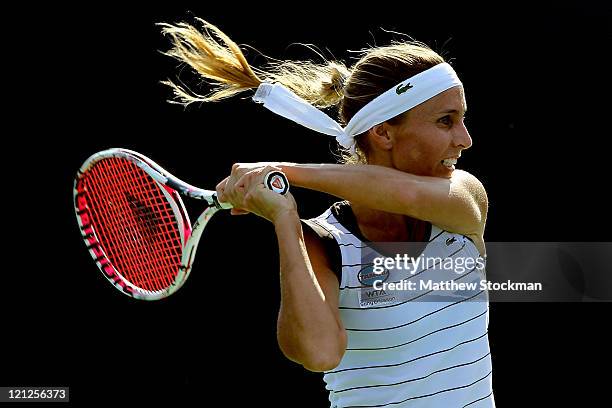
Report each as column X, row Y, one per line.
column 401, row 89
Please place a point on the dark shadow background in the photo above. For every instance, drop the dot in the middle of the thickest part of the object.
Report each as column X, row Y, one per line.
column 537, row 84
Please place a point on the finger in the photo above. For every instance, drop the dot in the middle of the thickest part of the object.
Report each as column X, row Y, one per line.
column 221, row 188
column 236, row 172
column 244, row 182
column 270, row 168
column 222, row 183
column 230, row 184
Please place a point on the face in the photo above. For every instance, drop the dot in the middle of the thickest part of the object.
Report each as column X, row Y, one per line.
column 431, row 136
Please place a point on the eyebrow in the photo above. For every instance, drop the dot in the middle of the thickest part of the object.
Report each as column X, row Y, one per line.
column 450, row 111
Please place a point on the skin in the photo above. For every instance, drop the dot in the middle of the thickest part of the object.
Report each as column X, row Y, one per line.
column 427, row 134
column 403, row 182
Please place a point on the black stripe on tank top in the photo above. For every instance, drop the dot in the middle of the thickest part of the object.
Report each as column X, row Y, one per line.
column 412, row 359
column 413, row 379
column 419, row 338
column 416, row 320
column 421, row 396
column 479, row 399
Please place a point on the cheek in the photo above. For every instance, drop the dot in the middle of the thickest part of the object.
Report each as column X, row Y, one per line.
column 437, row 144
column 422, row 155
column 428, row 150
column 414, row 158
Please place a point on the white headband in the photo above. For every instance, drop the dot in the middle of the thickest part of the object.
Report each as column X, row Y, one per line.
column 402, row 97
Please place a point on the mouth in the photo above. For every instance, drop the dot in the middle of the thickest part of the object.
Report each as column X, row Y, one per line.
column 449, row 163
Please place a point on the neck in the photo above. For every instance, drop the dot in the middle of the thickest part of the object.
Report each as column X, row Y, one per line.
column 380, row 226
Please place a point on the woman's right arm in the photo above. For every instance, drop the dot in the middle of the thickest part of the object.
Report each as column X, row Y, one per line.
column 310, row 331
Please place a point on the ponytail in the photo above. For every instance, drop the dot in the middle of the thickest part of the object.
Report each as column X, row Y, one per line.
column 221, row 63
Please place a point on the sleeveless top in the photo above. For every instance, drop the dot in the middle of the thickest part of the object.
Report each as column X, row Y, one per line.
column 423, row 347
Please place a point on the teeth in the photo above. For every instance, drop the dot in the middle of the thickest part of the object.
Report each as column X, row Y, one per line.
column 449, row 162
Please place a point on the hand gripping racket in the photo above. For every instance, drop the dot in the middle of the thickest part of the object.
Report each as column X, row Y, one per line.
column 135, row 225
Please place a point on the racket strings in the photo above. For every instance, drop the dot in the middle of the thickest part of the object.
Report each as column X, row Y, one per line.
column 151, row 217
column 135, row 223
column 123, row 230
column 130, row 234
column 146, row 265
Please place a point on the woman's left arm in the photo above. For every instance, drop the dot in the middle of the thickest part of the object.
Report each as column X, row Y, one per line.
column 458, row 204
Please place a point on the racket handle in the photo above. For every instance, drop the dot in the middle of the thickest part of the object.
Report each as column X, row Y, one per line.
column 277, row 182
column 274, row 180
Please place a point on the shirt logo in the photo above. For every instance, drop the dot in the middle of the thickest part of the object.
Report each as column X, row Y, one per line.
column 401, row 89
column 449, row 241
column 367, row 276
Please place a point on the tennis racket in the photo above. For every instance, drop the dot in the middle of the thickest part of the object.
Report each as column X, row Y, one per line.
column 135, row 225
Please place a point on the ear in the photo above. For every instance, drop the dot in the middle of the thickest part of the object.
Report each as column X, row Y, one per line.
column 380, row 137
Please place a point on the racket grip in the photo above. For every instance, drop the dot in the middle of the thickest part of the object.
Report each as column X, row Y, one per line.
column 274, row 180
column 277, row 182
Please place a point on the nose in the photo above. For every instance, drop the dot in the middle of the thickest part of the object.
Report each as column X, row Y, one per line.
column 461, row 137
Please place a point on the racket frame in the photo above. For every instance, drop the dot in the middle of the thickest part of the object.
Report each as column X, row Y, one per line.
column 172, row 187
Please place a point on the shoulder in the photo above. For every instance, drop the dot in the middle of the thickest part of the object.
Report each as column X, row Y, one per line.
column 470, row 182
column 473, row 189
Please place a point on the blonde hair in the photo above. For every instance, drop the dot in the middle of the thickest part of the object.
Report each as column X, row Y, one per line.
column 221, row 63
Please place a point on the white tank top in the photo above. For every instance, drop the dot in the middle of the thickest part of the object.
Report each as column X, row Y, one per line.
column 407, row 348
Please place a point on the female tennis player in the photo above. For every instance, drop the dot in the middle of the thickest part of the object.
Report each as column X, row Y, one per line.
column 401, row 111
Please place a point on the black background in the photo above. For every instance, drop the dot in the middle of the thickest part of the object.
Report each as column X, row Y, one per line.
column 537, row 85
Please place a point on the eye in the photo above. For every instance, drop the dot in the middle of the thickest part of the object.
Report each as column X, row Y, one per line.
column 446, row 120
